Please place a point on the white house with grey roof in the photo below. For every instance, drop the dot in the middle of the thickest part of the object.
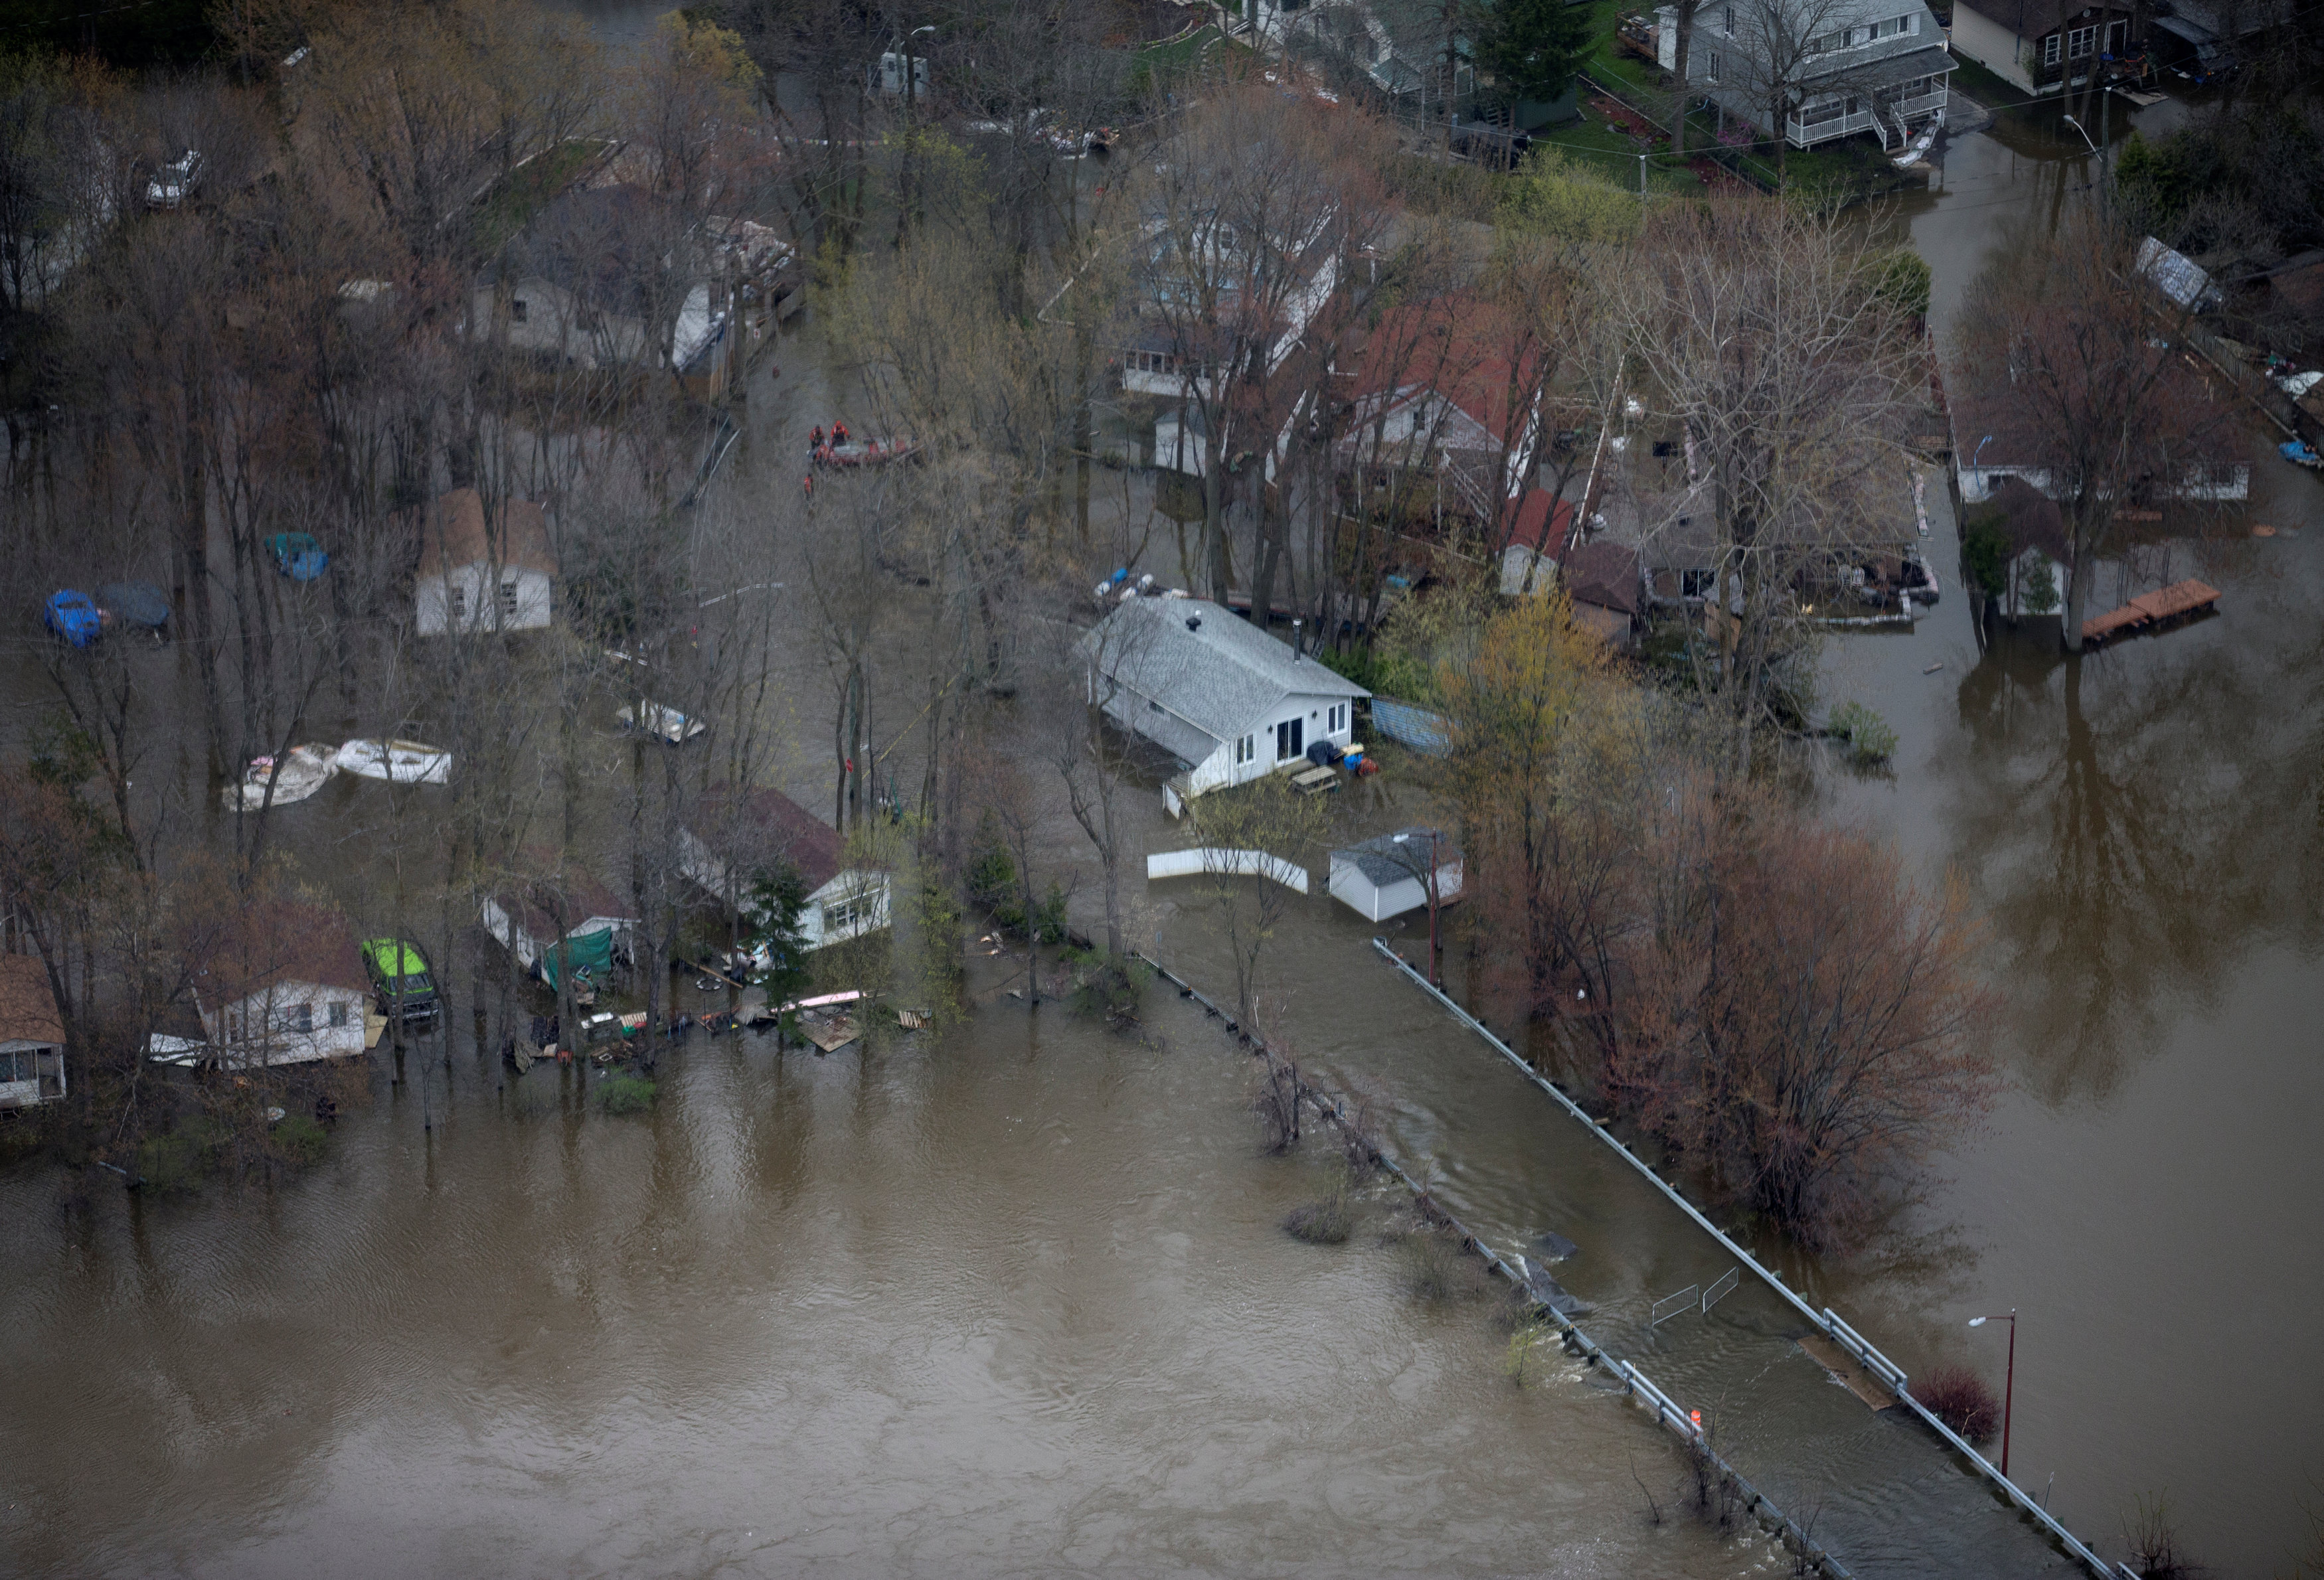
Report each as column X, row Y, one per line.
column 1223, row 697
column 1824, row 68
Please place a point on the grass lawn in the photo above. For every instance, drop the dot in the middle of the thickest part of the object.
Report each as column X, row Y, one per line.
column 1985, row 87
column 1850, row 169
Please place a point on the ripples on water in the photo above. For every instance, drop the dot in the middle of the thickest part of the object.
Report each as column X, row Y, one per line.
column 1016, row 1304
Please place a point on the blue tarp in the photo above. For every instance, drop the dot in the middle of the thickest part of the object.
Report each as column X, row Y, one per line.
column 1417, row 728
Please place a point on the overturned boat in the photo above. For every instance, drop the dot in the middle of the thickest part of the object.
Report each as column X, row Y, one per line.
column 302, row 771
column 400, row 762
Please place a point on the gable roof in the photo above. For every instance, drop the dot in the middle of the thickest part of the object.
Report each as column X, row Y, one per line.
column 535, row 902
column 2031, row 19
column 1449, row 346
column 1540, row 521
column 1204, row 665
column 27, row 1009
column 1393, row 857
column 281, row 942
column 751, row 828
column 452, row 536
column 1603, row 574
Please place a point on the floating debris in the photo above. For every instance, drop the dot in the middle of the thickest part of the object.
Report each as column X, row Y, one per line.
column 1933, row 668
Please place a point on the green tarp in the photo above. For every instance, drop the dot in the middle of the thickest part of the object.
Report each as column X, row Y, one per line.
column 588, row 951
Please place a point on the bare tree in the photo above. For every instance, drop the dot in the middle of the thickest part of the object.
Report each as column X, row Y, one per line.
column 2075, row 359
column 1766, row 333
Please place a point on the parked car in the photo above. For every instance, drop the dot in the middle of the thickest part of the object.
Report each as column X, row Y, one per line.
column 71, row 615
column 297, row 556
column 173, row 183
column 399, row 973
column 669, row 723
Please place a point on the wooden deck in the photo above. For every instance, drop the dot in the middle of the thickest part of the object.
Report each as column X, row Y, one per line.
column 2158, row 608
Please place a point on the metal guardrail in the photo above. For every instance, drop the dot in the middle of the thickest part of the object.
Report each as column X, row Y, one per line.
column 1825, row 1321
column 1755, row 1504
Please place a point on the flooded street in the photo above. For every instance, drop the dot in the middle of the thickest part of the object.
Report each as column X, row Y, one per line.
column 1019, row 1298
column 1018, row 1302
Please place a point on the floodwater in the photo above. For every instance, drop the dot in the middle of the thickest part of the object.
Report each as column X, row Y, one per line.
column 1020, row 1300
column 1014, row 1302
column 2140, row 830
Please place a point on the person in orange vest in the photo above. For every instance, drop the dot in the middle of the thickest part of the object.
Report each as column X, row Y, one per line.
column 838, row 433
column 814, row 441
column 806, row 485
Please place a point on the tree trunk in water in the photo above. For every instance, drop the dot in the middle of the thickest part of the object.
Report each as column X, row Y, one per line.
column 2077, row 600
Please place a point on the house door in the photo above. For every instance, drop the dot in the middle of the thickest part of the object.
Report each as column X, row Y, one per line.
column 1289, row 739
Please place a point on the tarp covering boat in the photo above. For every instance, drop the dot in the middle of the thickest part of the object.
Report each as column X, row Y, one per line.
column 588, row 952
column 304, row 771
column 404, row 762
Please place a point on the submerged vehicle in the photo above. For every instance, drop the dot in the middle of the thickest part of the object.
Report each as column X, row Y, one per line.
column 297, row 556
column 399, row 975
column 667, row 722
column 137, row 603
column 71, row 615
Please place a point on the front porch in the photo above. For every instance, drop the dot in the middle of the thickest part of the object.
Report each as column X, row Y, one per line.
column 1892, row 120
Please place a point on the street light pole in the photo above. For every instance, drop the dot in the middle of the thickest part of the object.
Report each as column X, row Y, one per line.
column 2009, row 1386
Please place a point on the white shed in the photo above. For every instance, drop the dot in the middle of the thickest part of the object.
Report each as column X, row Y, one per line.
column 32, row 1035
column 1387, row 877
column 289, row 988
column 1215, row 691
column 476, row 574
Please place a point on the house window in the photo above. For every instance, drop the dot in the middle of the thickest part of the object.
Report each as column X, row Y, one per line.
column 339, row 1012
column 301, row 1018
column 1824, row 43
column 1714, row 65
column 1731, row 21
column 850, row 912
column 1337, row 720
column 1246, row 749
column 459, row 601
column 508, row 600
column 1695, row 583
column 1290, row 740
column 2081, row 42
column 1815, row 114
column 517, row 310
column 2049, row 50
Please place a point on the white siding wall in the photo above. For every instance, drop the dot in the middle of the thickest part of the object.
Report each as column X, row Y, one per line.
column 261, row 1028
column 483, row 607
column 1990, row 45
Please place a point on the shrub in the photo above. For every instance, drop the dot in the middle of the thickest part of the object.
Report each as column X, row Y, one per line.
column 1323, row 1223
column 627, row 1094
column 177, row 1160
column 300, row 1140
column 2040, row 593
column 1959, row 1397
column 1984, row 551
column 1432, row 1264
column 1870, row 738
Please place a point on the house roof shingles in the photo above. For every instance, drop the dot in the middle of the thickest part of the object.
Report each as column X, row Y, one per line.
column 1392, row 857
column 747, row 829
column 27, row 1009
column 1220, row 675
column 452, row 536
column 534, row 901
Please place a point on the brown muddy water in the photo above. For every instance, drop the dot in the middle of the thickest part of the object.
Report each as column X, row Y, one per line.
column 1018, row 1303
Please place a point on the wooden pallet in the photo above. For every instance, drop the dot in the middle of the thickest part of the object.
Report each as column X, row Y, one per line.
column 2176, row 601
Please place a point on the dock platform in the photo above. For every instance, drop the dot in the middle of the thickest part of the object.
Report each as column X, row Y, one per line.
column 2151, row 609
